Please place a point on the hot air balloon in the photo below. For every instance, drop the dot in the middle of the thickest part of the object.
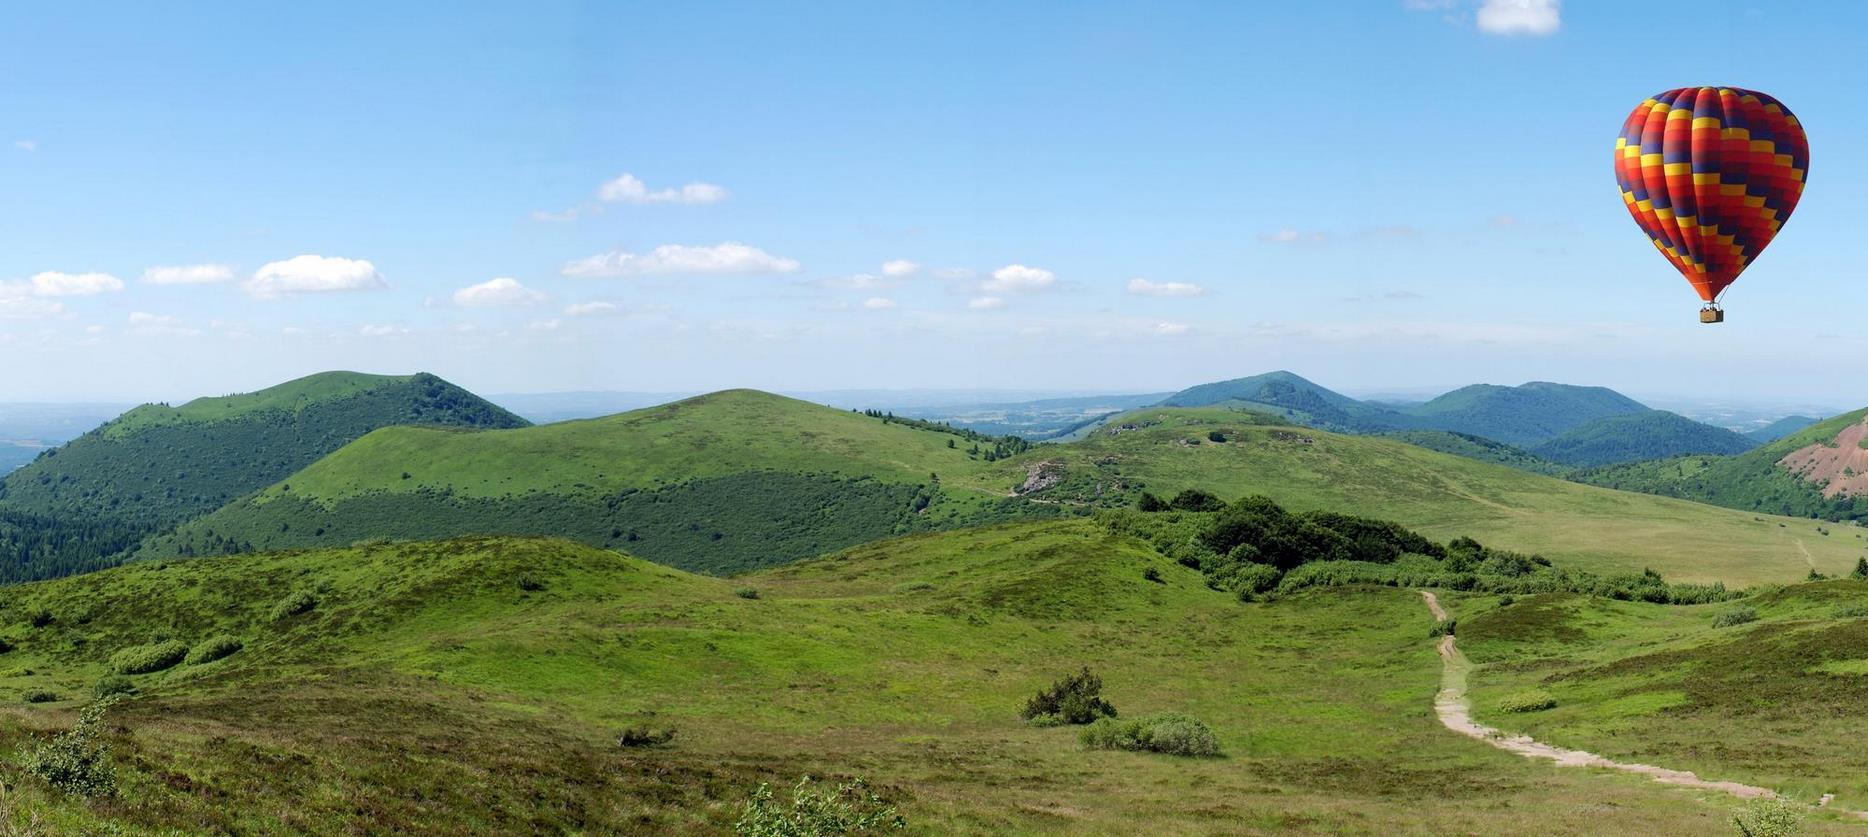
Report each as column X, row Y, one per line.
column 1711, row 174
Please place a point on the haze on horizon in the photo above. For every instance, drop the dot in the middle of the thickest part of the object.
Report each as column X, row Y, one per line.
column 1402, row 196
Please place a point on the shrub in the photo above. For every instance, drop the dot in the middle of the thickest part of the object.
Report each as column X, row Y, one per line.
column 113, row 684
column 1443, row 627
column 1150, row 503
column 298, row 602
column 1195, row 500
column 1861, row 568
column 1531, row 701
column 644, row 737
column 213, row 648
column 1076, row 699
column 1734, row 616
column 530, row 584
column 1853, row 611
column 40, row 696
column 75, row 761
column 1505, row 601
column 1152, row 574
column 5, row 646
column 851, row 808
column 144, row 659
column 746, row 593
column 1165, row 732
column 41, row 618
column 1215, row 436
column 1768, row 818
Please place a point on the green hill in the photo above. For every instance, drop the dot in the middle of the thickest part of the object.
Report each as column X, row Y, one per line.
column 157, row 465
column 719, row 483
column 1299, row 400
column 1655, row 434
column 1480, row 448
column 1780, row 428
column 1825, row 486
column 479, row 686
column 1524, row 415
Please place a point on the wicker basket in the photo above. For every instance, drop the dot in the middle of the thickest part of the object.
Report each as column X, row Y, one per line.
column 1712, row 315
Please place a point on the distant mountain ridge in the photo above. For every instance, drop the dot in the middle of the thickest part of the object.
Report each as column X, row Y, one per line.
column 1630, row 437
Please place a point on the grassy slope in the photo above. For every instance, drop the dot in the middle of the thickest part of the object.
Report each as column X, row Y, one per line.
column 430, row 691
column 1750, row 480
column 1776, row 702
column 1446, row 496
column 1654, row 434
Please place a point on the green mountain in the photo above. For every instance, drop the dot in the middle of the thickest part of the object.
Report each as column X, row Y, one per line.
column 719, row 483
column 1780, row 428
column 1655, row 434
column 1820, row 472
column 1524, row 415
column 483, row 686
column 158, row 465
column 1299, row 400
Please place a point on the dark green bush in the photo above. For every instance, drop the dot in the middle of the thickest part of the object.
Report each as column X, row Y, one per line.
column 1076, row 699
column 1150, row 503
column 1734, row 616
column 1443, row 627
column 634, row 737
column 40, row 696
column 530, row 584
column 1861, row 564
column 301, row 601
column 144, row 659
column 1152, row 574
column 213, row 648
column 1195, row 500
column 41, row 618
column 1171, row 733
column 113, row 684
column 746, row 593
column 851, row 808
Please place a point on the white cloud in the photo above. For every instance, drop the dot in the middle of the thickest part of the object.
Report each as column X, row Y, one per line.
column 26, row 145
column 313, row 274
column 899, row 268
column 985, row 303
column 1147, row 288
column 590, row 309
column 878, row 303
column 17, row 302
column 1291, row 236
column 143, row 322
column 628, row 189
column 501, row 292
column 1171, row 329
column 382, row 331
column 954, row 273
column 1520, row 17
column 54, row 283
column 188, row 274
column 1017, row 277
column 729, row 257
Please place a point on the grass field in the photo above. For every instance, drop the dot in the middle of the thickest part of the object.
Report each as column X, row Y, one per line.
column 478, row 685
column 1447, row 496
column 1775, row 702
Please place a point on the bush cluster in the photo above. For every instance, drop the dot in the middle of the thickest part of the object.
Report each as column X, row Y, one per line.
column 213, row 648
column 1531, row 701
column 1734, row 616
column 301, row 601
column 1165, row 732
column 1076, row 699
column 849, row 808
column 1768, row 818
column 75, row 761
column 634, row 737
column 111, row 685
column 40, row 696
column 144, row 659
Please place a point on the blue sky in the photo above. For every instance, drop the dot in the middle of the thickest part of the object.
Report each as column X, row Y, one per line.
column 1379, row 195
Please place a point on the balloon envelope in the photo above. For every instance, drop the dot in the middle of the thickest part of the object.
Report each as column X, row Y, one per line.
column 1711, row 174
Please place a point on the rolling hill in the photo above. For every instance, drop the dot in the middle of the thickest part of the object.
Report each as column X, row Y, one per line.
column 158, row 465
column 1630, row 437
column 721, row 483
column 1296, row 399
column 479, row 686
column 1780, row 428
column 739, row 480
column 1815, row 472
column 1524, row 415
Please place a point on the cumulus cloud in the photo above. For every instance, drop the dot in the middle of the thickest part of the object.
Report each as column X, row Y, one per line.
column 1147, row 288
column 54, row 283
column 729, row 257
column 145, row 323
column 1520, row 17
column 1018, row 277
column 17, row 302
column 313, row 274
column 985, row 303
column 590, row 309
column 628, row 189
column 878, row 303
column 188, row 274
column 501, row 292
column 898, row 268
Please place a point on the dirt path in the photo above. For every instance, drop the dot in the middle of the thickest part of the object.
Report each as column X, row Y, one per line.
column 1455, row 712
column 1806, row 554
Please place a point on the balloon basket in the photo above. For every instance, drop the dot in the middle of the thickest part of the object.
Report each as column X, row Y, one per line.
column 1712, row 315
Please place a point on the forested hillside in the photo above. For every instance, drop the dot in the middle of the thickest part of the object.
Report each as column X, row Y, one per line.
column 1522, row 415
column 156, row 465
column 1630, row 437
